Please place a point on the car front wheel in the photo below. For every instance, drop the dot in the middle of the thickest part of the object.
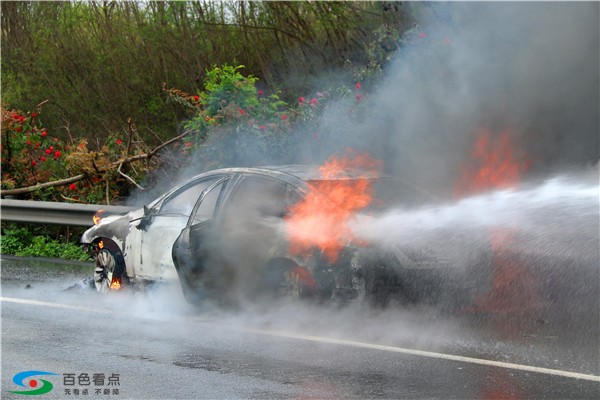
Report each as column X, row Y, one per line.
column 109, row 272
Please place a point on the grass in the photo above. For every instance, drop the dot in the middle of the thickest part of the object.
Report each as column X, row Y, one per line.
column 24, row 242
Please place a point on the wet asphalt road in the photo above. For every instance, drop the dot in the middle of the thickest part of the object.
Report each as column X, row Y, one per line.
column 162, row 348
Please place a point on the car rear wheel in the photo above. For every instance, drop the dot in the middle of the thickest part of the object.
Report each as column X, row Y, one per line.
column 283, row 277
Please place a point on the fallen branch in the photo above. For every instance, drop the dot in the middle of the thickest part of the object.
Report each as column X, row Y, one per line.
column 107, row 192
column 29, row 189
column 72, row 199
column 130, row 179
column 77, row 178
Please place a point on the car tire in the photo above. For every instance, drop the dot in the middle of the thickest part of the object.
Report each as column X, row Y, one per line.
column 103, row 272
column 381, row 284
column 109, row 265
column 283, row 277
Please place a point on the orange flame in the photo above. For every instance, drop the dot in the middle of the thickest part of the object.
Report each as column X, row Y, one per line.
column 97, row 217
column 115, row 284
column 321, row 219
column 499, row 165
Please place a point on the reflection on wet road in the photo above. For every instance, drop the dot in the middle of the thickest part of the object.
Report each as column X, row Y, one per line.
column 163, row 348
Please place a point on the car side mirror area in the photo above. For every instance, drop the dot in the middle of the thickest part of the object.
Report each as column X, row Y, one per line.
column 146, row 220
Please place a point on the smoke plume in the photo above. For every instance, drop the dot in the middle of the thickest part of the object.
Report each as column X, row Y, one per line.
column 531, row 68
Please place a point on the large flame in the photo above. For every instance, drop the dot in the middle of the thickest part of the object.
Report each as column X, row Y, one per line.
column 321, row 219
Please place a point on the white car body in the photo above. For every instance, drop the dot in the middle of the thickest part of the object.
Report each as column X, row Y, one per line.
column 145, row 236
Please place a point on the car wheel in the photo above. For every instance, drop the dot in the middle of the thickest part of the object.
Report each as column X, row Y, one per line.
column 381, row 284
column 103, row 273
column 109, row 273
column 283, row 277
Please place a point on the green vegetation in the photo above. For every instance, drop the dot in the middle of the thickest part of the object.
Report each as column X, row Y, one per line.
column 229, row 122
column 101, row 63
column 30, row 242
column 91, row 91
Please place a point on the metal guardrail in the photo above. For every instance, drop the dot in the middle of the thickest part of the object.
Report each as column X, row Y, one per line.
column 54, row 213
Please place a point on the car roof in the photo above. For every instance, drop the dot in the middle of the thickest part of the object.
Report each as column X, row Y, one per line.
column 303, row 172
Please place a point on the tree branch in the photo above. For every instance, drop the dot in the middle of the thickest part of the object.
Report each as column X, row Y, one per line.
column 130, row 179
column 77, row 178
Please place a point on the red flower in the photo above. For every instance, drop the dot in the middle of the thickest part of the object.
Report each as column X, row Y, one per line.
column 55, row 139
column 301, row 100
column 188, row 144
column 48, row 151
column 72, row 186
column 260, row 92
column 242, row 112
column 57, row 154
column 283, row 116
column 33, row 163
column 28, row 142
column 422, row 35
column 358, row 97
column 314, row 101
column 51, row 147
column 196, row 98
column 16, row 116
column 21, row 119
column 37, row 144
column 33, row 115
column 119, row 142
column 358, row 85
column 44, row 133
column 262, row 128
column 43, row 158
column 18, row 129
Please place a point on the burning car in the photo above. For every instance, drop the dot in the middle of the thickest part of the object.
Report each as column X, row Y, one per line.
column 285, row 231
column 238, row 233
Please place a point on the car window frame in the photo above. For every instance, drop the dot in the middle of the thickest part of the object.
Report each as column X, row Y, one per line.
column 223, row 179
column 158, row 204
column 235, row 184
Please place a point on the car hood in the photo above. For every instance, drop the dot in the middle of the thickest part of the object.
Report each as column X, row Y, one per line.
column 113, row 226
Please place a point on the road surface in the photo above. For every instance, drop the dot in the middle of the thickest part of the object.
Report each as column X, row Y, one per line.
column 153, row 346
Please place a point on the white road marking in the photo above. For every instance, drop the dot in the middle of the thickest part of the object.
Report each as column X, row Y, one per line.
column 430, row 354
column 344, row 342
column 53, row 305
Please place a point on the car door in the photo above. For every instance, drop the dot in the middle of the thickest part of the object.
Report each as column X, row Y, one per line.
column 190, row 249
column 161, row 226
column 249, row 230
